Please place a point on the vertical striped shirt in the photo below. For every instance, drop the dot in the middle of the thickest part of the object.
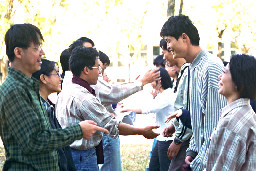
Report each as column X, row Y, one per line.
column 205, row 103
column 233, row 143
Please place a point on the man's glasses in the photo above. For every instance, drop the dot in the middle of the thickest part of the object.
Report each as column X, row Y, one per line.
column 38, row 48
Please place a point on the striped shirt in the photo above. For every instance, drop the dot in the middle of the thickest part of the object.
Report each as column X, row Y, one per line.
column 76, row 104
column 205, row 103
column 182, row 132
column 233, row 143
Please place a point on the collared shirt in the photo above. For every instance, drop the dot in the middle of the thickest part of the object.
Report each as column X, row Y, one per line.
column 162, row 106
column 233, row 143
column 182, row 132
column 112, row 94
column 205, row 103
column 29, row 141
column 77, row 104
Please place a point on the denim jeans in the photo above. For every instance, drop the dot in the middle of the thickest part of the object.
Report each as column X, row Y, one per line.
column 159, row 159
column 112, row 156
column 85, row 160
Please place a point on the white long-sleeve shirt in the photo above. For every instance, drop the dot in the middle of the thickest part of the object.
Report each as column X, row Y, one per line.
column 162, row 106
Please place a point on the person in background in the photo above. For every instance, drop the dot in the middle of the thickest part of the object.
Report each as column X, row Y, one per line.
column 232, row 145
column 162, row 106
column 182, row 134
column 204, row 101
column 159, row 61
column 50, row 82
column 79, row 102
column 111, row 94
column 30, row 142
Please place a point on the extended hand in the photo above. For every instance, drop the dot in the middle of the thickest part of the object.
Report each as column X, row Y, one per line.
column 168, row 131
column 177, row 113
column 90, row 127
column 148, row 132
column 173, row 150
column 150, row 76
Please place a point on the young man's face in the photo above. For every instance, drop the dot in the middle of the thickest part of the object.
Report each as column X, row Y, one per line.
column 31, row 59
column 177, row 47
column 94, row 73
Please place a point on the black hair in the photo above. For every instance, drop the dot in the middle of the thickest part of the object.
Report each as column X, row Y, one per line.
column 176, row 25
column 80, row 42
column 46, row 68
column 82, row 56
column 163, row 44
column 166, row 81
column 74, row 45
column 159, row 61
column 243, row 72
column 86, row 39
column 21, row 35
column 64, row 61
column 104, row 58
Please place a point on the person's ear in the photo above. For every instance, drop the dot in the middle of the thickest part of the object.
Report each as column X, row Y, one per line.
column 18, row 52
column 86, row 70
column 185, row 37
column 42, row 79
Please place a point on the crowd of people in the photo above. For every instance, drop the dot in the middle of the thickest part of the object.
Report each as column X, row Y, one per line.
column 204, row 111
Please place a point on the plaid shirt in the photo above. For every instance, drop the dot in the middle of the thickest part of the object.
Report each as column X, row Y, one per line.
column 76, row 104
column 112, row 94
column 233, row 143
column 29, row 141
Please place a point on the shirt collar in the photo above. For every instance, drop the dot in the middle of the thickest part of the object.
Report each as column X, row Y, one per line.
column 197, row 59
column 23, row 78
column 83, row 83
column 235, row 104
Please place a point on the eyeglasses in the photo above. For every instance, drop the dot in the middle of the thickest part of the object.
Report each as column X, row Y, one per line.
column 57, row 73
column 98, row 67
column 38, row 48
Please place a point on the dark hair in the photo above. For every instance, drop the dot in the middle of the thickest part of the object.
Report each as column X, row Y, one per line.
column 159, row 61
column 46, row 68
column 21, row 35
column 64, row 59
column 243, row 72
column 176, row 25
column 163, row 44
column 81, row 57
column 104, row 58
column 166, row 81
column 80, row 42
column 86, row 39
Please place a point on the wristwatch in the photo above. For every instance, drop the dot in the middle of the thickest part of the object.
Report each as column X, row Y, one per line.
column 177, row 141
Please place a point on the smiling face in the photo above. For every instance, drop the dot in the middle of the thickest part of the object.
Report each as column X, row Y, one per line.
column 177, row 47
column 30, row 58
column 53, row 81
column 226, row 85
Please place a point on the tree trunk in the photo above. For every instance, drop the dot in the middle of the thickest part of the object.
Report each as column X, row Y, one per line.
column 171, row 8
column 181, row 7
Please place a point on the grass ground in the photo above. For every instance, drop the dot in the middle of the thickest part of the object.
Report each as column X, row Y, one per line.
column 135, row 157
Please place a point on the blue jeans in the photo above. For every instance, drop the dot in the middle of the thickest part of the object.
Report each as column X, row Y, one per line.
column 112, row 156
column 159, row 159
column 85, row 160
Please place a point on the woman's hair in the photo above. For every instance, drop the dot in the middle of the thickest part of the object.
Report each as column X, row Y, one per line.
column 166, row 81
column 243, row 72
column 46, row 68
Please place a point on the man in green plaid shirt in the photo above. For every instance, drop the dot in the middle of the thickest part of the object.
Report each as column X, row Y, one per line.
column 29, row 141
